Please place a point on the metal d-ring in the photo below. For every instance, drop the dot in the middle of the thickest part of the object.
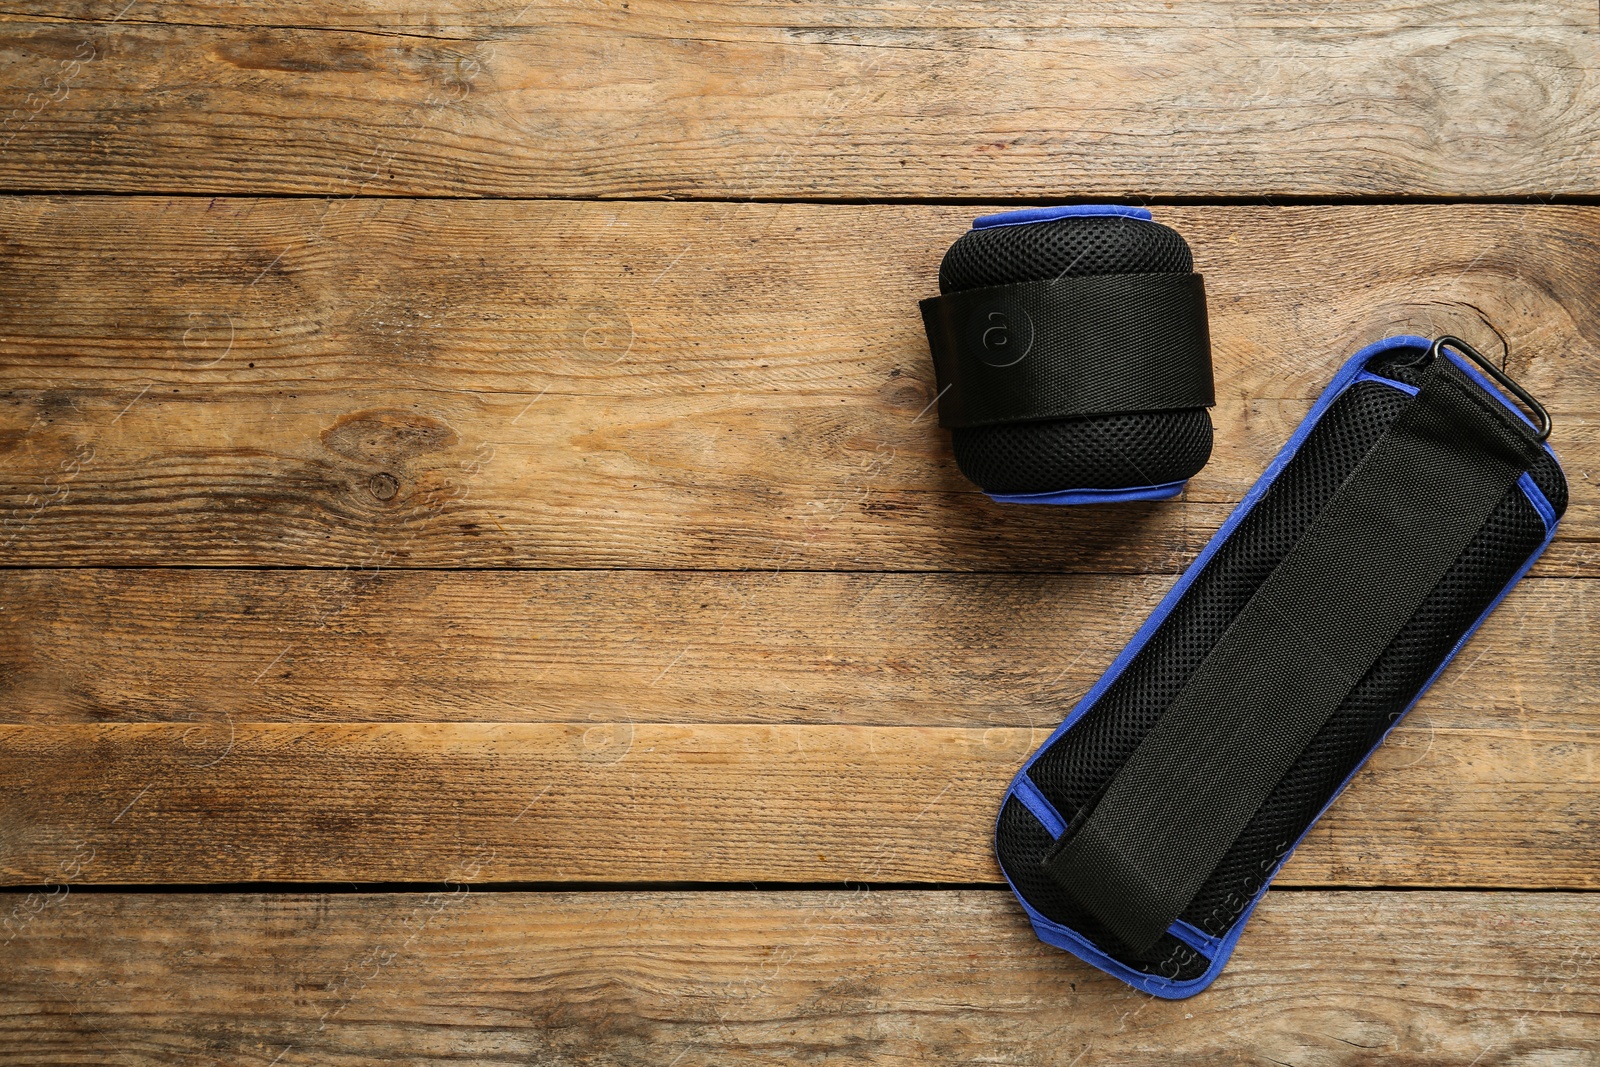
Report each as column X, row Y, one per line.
column 1504, row 380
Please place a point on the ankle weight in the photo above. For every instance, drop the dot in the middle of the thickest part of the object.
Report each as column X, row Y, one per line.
column 1072, row 356
column 1145, row 830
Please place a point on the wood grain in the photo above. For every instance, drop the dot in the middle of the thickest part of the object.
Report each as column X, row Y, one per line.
column 85, row 646
column 649, row 978
column 845, row 101
column 458, row 18
column 624, row 551
column 215, row 800
column 706, row 386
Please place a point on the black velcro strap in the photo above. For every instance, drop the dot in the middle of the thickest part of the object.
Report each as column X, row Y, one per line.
column 1307, row 636
column 1090, row 345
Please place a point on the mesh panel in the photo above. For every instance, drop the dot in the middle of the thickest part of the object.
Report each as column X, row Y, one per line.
column 1095, row 451
column 1077, row 767
column 1079, row 245
column 1513, row 531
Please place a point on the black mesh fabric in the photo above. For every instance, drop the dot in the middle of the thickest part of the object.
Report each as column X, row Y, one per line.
column 1094, row 451
column 1074, row 770
column 1513, row 531
column 1079, row 765
column 1078, row 245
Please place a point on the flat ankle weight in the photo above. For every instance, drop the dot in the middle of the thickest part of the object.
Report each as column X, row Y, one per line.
column 1143, row 832
column 1072, row 357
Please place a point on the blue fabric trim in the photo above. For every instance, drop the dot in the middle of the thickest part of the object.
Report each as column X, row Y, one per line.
column 1540, row 502
column 1368, row 376
column 1195, row 937
column 1037, row 803
column 1219, row 950
column 1165, row 491
column 1049, row 214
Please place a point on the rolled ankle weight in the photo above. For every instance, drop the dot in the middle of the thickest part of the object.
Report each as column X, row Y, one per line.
column 1072, row 357
column 1414, row 495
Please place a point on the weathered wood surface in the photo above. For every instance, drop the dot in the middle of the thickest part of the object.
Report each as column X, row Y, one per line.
column 562, row 99
column 708, row 397
column 695, row 979
column 217, row 800
column 720, row 386
column 459, row 18
column 85, row 646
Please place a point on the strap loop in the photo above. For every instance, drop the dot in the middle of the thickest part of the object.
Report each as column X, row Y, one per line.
column 1089, row 345
column 1504, row 380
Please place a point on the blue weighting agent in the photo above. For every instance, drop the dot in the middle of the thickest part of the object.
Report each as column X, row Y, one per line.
column 1072, row 357
column 1414, row 495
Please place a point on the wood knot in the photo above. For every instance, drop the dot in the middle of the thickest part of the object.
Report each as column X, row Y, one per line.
column 387, row 438
column 383, row 485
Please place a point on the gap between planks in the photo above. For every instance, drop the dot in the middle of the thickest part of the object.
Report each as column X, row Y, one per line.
column 1152, row 200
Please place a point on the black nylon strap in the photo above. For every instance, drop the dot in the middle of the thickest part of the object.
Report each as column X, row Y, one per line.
column 1302, row 642
column 1089, row 345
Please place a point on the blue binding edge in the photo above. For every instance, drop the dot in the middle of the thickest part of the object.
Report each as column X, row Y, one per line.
column 1165, row 491
column 1219, row 950
column 1024, row 217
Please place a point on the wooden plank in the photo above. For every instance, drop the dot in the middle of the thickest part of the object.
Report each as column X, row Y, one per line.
column 460, row 18
column 902, row 977
column 754, row 100
column 217, row 800
column 982, row 650
column 494, row 384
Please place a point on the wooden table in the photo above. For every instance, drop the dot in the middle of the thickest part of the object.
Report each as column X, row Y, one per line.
column 484, row 584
